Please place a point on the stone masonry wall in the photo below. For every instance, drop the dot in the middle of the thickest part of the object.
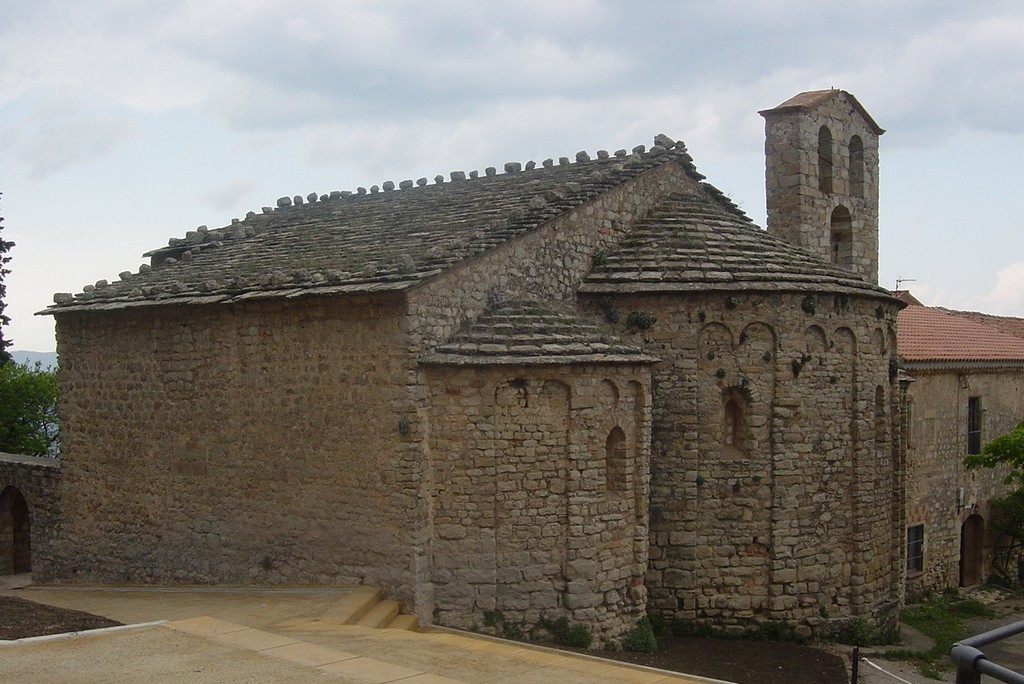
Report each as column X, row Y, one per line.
column 799, row 211
column 784, row 506
column 936, row 475
column 257, row 443
column 547, row 264
column 35, row 479
column 539, row 484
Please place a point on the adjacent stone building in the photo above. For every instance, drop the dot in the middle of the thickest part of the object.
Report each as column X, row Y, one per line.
column 968, row 387
column 576, row 388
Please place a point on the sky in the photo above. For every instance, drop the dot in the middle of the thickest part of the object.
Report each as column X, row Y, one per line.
column 125, row 123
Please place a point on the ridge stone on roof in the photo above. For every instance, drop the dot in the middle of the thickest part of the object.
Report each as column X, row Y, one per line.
column 390, row 240
column 530, row 332
column 691, row 243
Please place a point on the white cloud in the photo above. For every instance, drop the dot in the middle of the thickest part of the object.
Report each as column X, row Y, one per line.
column 54, row 143
column 1008, row 295
column 271, row 65
column 945, row 78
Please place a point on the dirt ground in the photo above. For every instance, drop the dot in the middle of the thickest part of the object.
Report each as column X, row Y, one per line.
column 744, row 661
column 21, row 618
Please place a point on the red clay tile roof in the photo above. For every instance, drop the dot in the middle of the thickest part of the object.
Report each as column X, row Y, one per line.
column 1008, row 324
column 933, row 334
column 905, row 297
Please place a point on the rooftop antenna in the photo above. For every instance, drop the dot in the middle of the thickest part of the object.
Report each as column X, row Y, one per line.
column 900, row 281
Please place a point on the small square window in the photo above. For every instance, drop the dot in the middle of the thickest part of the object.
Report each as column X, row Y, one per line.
column 915, row 549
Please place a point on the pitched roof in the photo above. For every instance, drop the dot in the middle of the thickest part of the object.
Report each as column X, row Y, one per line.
column 813, row 98
column 931, row 334
column 529, row 332
column 363, row 242
column 1007, row 324
column 691, row 244
column 905, row 297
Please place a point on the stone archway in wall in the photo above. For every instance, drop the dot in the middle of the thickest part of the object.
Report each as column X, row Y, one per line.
column 972, row 534
column 15, row 533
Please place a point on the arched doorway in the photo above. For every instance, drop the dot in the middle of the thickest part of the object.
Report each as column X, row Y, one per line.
column 972, row 534
column 15, row 533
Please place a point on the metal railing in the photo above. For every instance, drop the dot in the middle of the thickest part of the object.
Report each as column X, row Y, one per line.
column 972, row 663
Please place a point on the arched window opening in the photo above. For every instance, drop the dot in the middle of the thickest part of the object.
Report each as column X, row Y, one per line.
column 734, row 423
column 616, row 461
column 824, row 159
column 733, row 416
column 841, row 237
column 881, row 415
column 856, row 166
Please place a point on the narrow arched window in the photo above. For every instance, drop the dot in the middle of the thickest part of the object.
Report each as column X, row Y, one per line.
column 616, row 461
column 841, row 237
column 734, row 423
column 733, row 415
column 856, row 167
column 824, row 159
column 881, row 414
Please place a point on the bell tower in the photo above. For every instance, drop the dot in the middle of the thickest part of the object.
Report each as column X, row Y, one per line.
column 821, row 178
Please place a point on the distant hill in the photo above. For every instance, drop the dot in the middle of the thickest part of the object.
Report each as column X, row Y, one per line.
column 47, row 359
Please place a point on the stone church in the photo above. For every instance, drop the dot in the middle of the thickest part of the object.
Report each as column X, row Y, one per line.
column 579, row 387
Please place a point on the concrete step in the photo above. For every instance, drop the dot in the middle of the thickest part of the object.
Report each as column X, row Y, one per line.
column 367, row 607
column 380, row 614
column 349, row 609
column 406, row 622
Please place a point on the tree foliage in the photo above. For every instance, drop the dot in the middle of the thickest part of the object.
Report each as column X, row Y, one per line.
column 28, row 410
column 1005, row 449
column 5, row 247
column 1007, row 511
column 1008, row 522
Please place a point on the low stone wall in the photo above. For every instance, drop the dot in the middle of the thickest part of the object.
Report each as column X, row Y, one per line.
column 28, row 511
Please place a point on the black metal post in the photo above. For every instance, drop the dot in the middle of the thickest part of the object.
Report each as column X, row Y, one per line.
column 854, row 663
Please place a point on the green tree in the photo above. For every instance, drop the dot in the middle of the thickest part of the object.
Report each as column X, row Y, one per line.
column 1008, row 522
column 1007, row 511
column 1005, row 449
column 5, row 247
column 28, row 410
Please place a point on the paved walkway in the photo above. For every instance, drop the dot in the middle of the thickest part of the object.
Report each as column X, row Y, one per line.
column 248, row 636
